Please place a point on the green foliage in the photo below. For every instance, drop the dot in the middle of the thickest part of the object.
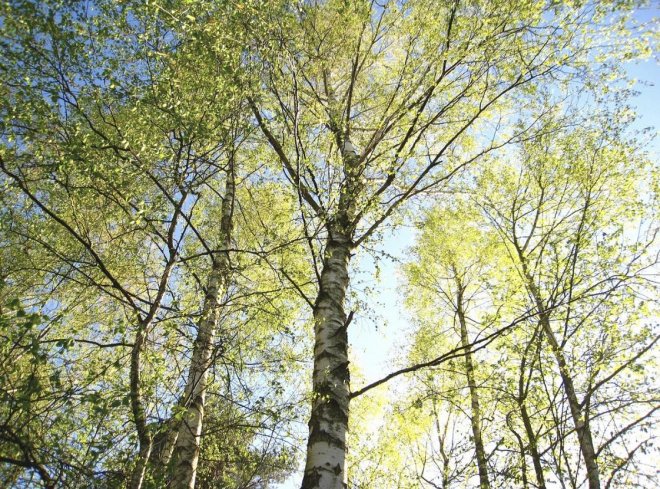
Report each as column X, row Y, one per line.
column 499, row 129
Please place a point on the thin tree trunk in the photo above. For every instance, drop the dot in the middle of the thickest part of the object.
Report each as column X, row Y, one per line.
column 475, row 419
column 521, row 447
column 526, row 419
column 162, row 448
column 442, row 436
column 580, row 422
column 145, row 436
column 137, row 408
column 533, row 446
column 186, row 450
column 328, row 424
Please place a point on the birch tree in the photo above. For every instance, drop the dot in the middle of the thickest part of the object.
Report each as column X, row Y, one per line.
column 555, row 247
column 368, row 106
column 180, row 178
column 536, row 442
column 449, row 277
column 121, row 128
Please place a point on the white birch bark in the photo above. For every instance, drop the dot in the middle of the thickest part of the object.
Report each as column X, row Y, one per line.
column 326, row 445
column 328, row 424
column 187, row 447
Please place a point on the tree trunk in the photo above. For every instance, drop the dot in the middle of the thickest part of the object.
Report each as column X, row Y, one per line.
column 533, row 447
column 521, row 447
column 524, row 414
column 326, row 445
column 186, row 450
column 579, row 419
column 482, row 463
column 442, row 436
column 137, row 408
column 580, row 422
column 163, row 444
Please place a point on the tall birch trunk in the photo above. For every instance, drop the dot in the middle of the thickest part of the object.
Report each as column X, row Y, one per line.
column 328, row 424
column 580, row 421
column 186, row 449
column 138, row 411
column 475, row 420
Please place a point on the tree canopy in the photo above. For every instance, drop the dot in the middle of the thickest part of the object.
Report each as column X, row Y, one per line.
column 197, row 200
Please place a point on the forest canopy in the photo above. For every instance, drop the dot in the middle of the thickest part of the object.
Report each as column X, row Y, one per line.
column 214, row 214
